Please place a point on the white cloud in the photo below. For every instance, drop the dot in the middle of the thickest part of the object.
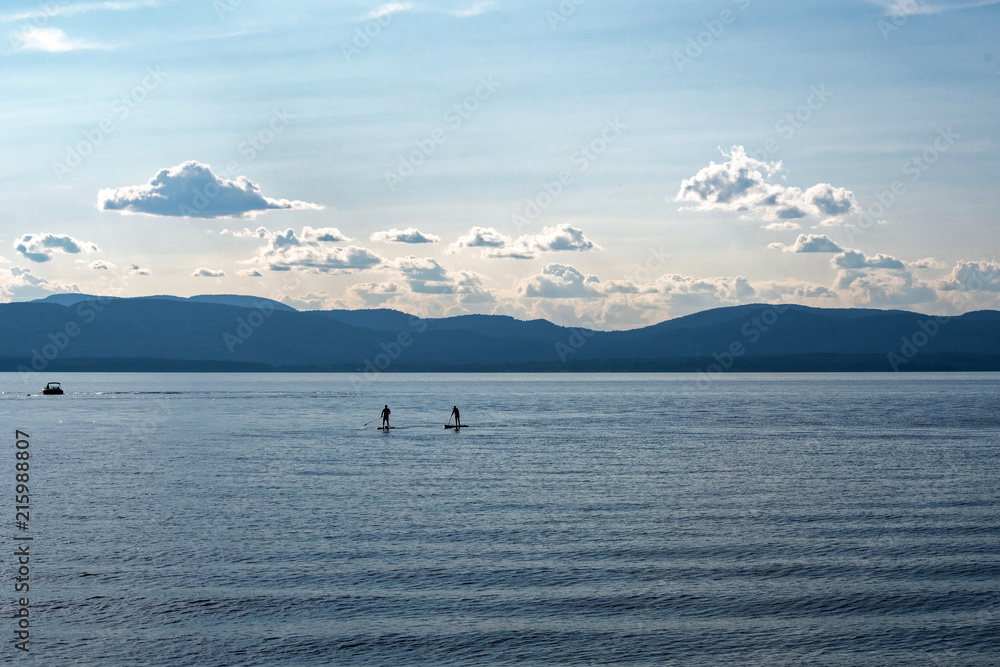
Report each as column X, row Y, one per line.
column 742, row 183
column 309, row 301
column 408, row 235
column 388, row 9
column 480, row 237
column 24, row 286
column 926, row 263
column 468, row 11
column 884, row 288
column 476, row 9
column 427, row 276
column 562, row 238
column 809, row 243
column 558, row 281
column 704, row 292
column 781, row 291
column 920, row 7
column 48, row 40
column 49, row 10
column 101, row 265
column 311, row 250
column 42, row 247
column 786, row 226
column 192, row 190
column 372, row 295
column 855, row 259
column 981, row 276
column 250, row 273
column 136, row 270
column 208, row 273
column 246, row 233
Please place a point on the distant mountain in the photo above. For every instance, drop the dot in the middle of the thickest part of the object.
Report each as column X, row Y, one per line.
column 230, row 332
column 222, row 299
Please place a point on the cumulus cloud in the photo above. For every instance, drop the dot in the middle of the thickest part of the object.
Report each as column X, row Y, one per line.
column 42, row 247
column 192, row 190
column 778, row 291
column 309, row 301
column 208, row 273
column 22, row 285
column 704, row 292
column 372, row 294
column 408, row 235
column 101, row 265
column 855, row 259
column 311, row 250
column 136, row 270
column 926, row 263
column 562, row 238
column 558, row 281
column 743, row 183
column 250, row 273
column 809, row 243
column 884, row 288
column 480, row 237
column 427, row 276
column 981, row 276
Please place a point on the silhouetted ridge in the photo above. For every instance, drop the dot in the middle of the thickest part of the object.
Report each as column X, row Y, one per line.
column 252, row 333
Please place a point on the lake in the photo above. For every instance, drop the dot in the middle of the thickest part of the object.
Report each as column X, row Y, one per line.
column 201, row 519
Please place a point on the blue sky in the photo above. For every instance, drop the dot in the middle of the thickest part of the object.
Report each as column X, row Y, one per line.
column 605, row 164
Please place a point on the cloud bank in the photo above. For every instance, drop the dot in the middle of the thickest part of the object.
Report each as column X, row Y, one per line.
column 310, row 250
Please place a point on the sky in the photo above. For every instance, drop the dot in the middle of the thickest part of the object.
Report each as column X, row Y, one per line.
column 599, row 164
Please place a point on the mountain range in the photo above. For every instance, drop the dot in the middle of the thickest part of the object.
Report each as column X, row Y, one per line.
column 75, row 332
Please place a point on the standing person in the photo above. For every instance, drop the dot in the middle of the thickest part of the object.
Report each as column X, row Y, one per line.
column 385, row 417
column 458, row 419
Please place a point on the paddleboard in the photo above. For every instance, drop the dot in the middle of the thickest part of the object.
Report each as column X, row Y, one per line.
column 456, row 427
column 383, row 428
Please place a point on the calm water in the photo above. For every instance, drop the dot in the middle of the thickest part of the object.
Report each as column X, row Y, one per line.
column 598, row 519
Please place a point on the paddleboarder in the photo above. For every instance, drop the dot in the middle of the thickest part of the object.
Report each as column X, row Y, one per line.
column 458, row 419
column 385, row 417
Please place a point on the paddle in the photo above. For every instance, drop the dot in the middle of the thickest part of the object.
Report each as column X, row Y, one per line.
column 369, row 422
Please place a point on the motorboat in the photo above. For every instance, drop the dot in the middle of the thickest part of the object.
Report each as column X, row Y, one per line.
column 53, row 389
